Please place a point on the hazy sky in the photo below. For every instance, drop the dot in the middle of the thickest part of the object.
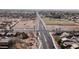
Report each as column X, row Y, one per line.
column 39, row 4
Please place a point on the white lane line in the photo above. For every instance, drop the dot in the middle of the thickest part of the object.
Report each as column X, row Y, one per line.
column 46, row 41
column 53, row 40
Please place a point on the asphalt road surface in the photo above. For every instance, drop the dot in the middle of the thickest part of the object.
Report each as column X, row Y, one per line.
column 45, row 36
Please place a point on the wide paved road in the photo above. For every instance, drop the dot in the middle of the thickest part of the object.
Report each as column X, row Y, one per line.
column 45, row 36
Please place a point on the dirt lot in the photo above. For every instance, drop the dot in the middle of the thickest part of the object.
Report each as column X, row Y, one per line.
column 52, row 21
column 25, row 24
column 63, row 24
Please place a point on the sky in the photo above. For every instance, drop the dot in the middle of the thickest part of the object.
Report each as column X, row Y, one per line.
column 39, row 4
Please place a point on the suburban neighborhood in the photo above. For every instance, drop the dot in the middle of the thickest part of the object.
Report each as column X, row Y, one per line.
column 39, row 29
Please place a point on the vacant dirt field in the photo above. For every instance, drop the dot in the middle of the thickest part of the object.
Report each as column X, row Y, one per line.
column 25, row 24
column 52, row 21
column 63, row 24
